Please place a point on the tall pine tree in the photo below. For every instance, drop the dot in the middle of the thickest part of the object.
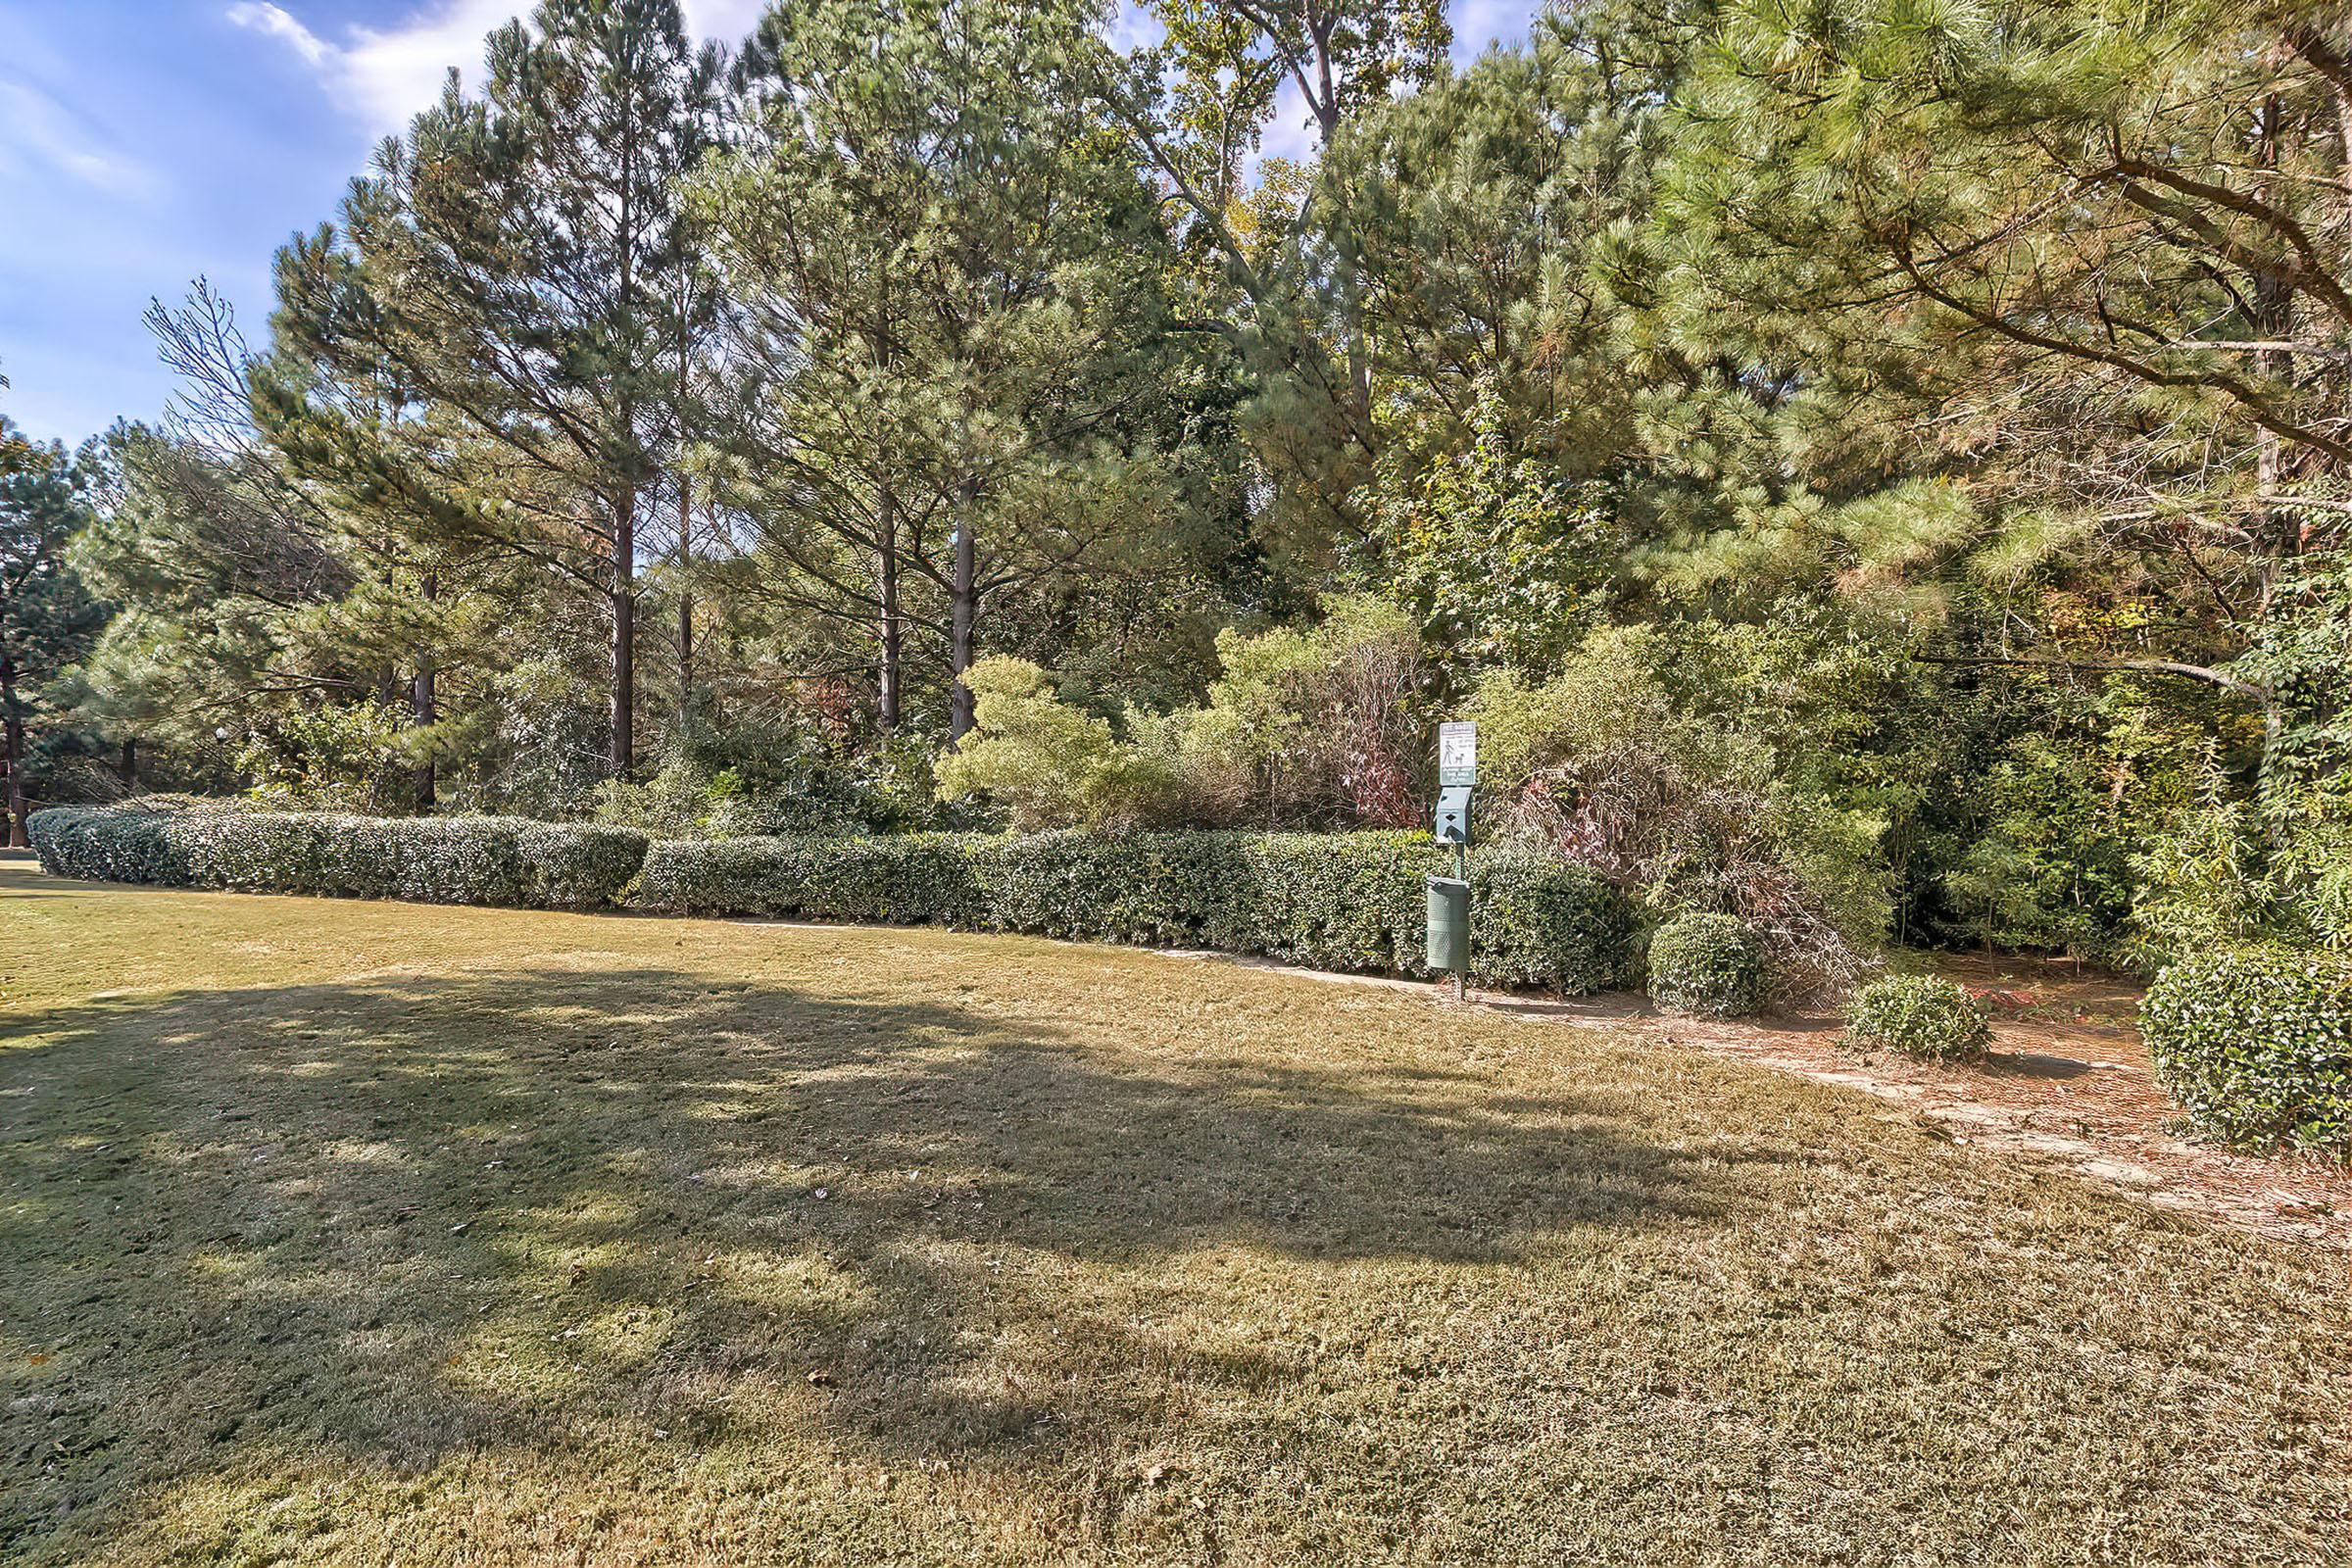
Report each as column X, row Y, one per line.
column 514, row 270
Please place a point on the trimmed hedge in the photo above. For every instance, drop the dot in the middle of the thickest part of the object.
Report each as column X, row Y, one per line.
column 1346, row 902
column 1919, row 1015
column 2257, row 1045
column 1711, row 965
column 433, row 859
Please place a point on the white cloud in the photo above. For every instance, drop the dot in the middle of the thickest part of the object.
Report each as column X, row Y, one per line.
column 382, row 76
column 1480, row 23
column 278, row 22
column 36, row 128
column 730, row 21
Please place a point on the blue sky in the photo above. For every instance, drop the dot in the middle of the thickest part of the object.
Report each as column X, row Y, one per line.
column 143, row 142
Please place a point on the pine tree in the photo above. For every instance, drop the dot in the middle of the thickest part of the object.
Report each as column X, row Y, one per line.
column 951, row 361
column 47, row 618
column 514, row 270
column 2107, row 246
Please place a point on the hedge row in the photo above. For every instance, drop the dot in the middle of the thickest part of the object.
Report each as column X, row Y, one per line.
column 1349, row 901
column 434, row 859
column 2257, row 1045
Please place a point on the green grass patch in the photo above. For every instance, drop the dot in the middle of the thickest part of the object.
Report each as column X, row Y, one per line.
column 342, row 1232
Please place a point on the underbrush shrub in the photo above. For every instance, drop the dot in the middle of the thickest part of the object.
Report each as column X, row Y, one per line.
column 1347, row 901
column 1709, row 965
column 2256, row 1045
column 441, row 860
column 1919, row 1015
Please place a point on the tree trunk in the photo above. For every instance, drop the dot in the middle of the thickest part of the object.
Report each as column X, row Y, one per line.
column 2273, row 320
column 622, row 760
column 685, row 709
column 427, row 793
column 886, row 569
column 127, row 770
column 11, row 725
column 686, row 703
column 427, row 710
column 963, row 591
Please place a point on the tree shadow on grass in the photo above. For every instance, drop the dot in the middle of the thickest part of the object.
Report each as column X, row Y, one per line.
column 397, row 1218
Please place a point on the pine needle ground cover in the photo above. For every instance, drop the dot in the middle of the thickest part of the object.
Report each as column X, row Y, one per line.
column 338, row 1232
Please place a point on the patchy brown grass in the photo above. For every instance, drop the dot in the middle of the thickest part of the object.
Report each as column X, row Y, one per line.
column 2067, row 1081
column 361, row 1233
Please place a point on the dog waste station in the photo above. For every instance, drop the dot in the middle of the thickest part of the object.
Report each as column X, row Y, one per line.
column 1449, row 896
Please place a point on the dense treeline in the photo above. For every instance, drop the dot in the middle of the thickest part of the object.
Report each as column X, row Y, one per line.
column 1874, row 470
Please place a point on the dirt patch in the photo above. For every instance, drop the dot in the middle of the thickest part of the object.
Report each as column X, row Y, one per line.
column 2067, row 1081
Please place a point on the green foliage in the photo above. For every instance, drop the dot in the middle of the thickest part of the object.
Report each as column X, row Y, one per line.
column 776, row 778
column 1829, row 526
column 948, row 397
column 1919, row 1015
column 2300, row 657
column 484, row 353
column 2233, row 867
column 1344, row 902
column 1047, row 763
column 1711, row 965
column 330, row 757
column 2256, row 1045
column 901, row 880
column 1314, row 727
column 47, row 616
column 447, row 860
column 1503, row 562
column 1610, row 764
column 1537, row 921
column 2201, row 885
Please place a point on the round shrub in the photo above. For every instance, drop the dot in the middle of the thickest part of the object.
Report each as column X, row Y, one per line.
column 2256, row 1045
column 1708, row 965
column 1919, row 1015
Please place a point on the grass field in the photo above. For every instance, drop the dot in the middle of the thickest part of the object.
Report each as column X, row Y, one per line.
column 348, row 1233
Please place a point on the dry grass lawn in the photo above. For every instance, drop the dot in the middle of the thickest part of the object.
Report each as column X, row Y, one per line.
column 346, row 1233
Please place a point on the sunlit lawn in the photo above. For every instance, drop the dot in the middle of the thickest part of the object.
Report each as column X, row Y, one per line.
column 367, row 1232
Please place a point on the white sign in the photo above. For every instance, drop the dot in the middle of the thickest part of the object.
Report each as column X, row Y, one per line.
column 1457, row 753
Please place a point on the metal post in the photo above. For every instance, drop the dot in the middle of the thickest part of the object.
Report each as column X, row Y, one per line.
column 1461, row 972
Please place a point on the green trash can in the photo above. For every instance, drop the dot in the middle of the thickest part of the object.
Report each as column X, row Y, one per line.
column 1448, row 924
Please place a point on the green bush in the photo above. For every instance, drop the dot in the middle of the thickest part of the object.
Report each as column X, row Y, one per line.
column 1919, row 1015
column 434, row 859
column 1047, row 763
column 1708, row 965
column 2256, row 1044
column 906, row 879
column 1348, row 901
